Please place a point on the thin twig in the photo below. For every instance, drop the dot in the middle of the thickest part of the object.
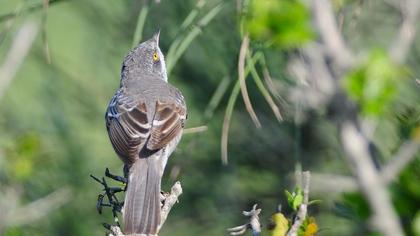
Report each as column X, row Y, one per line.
column 229, row 111
column 332, row 183
column 44, row 31
column 253, row 224
column 17, row 53
column 340, row 183
column 181, row 44
column 328, row 29
column 141, row 20
column 115, row 231
column 197, row 129
column 216, row 98
column 263, row 90
column 406, row 153
column 270, row 84
column 36, row 209
column 405, row 37
column 303, row 208
column 226, row 123
column 241, row 76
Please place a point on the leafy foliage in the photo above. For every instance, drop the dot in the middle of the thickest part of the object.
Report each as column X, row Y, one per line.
column 280, row 225
column 283, row 24
column 374, row 84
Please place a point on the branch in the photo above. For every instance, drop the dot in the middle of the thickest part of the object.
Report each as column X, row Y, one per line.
column 194, row 130
column 357, row 153
column 339, row 183
column 169, row 202
column 332, row 183
column 17, row 53
column 36, row 209
column 254, row 223
column 405, row 37
column 115, row 231
column 405, row 154
column 331, row 36
column 303, row 208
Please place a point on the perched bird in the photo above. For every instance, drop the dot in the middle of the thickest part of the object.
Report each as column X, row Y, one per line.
column 145, row 119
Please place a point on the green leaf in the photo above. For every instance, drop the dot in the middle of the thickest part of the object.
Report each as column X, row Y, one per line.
column 374, row 83
column 289, row 197
column 416, row 224
column 297, row 201
column 298, row 191
column 284, row 24
column 313, row 202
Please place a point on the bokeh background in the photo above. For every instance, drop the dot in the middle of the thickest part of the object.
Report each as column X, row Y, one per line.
column 52, row 111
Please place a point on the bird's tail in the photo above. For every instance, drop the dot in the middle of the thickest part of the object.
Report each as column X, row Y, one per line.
column 142, row 199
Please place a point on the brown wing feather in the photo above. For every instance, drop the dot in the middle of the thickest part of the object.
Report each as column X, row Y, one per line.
column 167, row 124
column 128, row 129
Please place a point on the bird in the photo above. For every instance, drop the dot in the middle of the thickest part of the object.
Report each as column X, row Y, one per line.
column 145, row 120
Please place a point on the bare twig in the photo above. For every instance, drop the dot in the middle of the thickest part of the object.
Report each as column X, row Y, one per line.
column 181, row 44
column 197, row 129
column 340, row 183
column 303, row 208
column 216, row 98
column 405, row 37
column 316, row 84
column 332, row 183
column 261, row 87
column 115, row 231
column 141, row 20
column 17, row 53
column 169, row 202
column 405, row 154
column 36, row 209
column 44, row 32
column 270, row 84
column 226, row 123
column 357, row 153
column 241, row 76
column 253, row 224
column 327, row 26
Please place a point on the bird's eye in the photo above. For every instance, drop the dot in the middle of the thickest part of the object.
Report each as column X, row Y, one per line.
column 155, row 57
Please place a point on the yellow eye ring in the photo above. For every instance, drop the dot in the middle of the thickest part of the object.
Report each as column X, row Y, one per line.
column 155, row 56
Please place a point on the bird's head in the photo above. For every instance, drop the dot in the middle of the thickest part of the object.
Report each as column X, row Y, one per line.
column 146, row 59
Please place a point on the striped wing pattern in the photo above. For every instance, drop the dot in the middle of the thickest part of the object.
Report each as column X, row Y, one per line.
column 130, row 130
column 168, row 122
column 128, row 126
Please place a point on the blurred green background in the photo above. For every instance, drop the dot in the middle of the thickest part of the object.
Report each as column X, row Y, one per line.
column 52, row 114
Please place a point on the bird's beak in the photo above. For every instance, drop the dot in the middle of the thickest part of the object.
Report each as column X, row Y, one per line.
column 156, row 37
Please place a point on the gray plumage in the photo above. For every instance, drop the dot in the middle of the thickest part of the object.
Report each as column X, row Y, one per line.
column 144, row 119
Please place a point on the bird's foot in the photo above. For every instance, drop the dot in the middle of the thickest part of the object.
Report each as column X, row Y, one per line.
column 115, row 177
column 108, row 198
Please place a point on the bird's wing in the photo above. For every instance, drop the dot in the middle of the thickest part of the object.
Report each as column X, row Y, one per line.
column 168, row 122
column 127, row 124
